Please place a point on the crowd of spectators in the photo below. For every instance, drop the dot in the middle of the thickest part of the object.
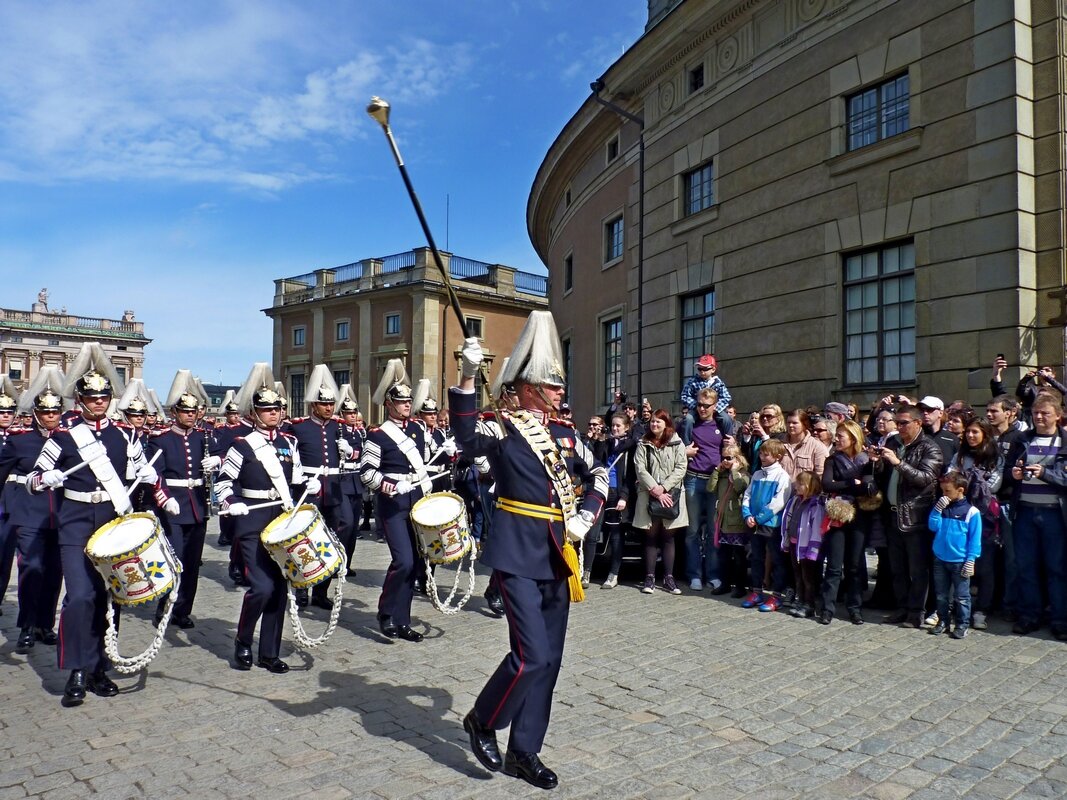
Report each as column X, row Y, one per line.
column 961, row 511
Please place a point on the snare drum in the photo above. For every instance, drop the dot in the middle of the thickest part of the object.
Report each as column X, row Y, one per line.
column 442, row 531
column 303, row 546
column 135, row 558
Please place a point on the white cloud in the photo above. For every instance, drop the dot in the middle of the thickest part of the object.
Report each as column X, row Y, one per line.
column 195, row 92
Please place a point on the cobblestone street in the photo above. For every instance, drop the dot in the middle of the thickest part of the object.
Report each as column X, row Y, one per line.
column 660, row 696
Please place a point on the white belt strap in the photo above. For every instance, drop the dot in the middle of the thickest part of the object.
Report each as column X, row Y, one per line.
column 86, row 497
column 411, row 453
column 260, row 494
column 317, row 471
column 16, row 479
column 93, row 451
column 187, row 483
column 267, row 456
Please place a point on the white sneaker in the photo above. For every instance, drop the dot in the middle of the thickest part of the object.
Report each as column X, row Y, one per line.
column 696, row 585
column 931, row 620
column 585, row 579
column 611, row 582
column 978, row 621
column 715, row 584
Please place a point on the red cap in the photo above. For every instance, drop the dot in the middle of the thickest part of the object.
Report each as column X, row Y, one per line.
column 707, row 360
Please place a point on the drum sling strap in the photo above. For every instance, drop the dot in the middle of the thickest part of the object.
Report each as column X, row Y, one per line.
column 411, row 453
column 267, row 456
column 94, row 453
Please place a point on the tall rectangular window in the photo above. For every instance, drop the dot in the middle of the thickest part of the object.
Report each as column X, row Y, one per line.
column 341, row 377
column 392, row 324
column 121, row 371
column 296, row 394
column 566, row 345
column 699, row 189
column 696, row 78
column 341, row 331
column 298, row 336
column 698, row 327
column 613, row 239
column 879, row 314
column 611, row 152
column 476, row 326
column 878, row 112
column 568, row 273
column 612, row 358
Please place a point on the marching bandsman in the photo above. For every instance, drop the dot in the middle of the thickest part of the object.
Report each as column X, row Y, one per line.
column 322, row 451
column 393, row 468
column 181, row 492
column 92, row 497
column 259, row 468
column 534, row 463
column 134, row 405
column 442, row 447
column 34, row 518
column 222, row 439
column 8, row 405
column 355, row 435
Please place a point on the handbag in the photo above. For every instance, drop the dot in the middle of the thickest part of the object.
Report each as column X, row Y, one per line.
column 657, row 510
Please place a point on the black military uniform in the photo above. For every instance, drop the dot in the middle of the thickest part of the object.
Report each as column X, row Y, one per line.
column 351, row 485
column 7, row 537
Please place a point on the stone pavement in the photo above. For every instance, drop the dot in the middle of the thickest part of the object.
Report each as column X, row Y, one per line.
column 659, row 697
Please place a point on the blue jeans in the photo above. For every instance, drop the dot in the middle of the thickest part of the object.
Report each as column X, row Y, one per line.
column 700, row 539
column 761, row 544
column 1038, row 537
column 952, row 589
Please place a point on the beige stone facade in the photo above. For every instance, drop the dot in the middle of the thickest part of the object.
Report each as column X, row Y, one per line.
column 42, row 337
column 356, row 317
column 961, row 205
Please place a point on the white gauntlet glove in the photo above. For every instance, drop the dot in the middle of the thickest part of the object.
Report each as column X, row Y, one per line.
column 449, row 446
column 237, row 509
column 470, row 357
column 344, row 448
column 146, row 474
column 314, row 486
column 403, row 487
column 211, row 463
column 942, row 503
column 53, row 478
column 579, row 526
column 170, row 505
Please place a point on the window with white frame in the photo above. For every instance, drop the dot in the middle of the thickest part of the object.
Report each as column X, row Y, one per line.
column 611, row 151
column 341, row 377
column 476, row 326
column 341, row 331
column 878, row 112
column 612, row 358
column 613, row 239
column 699, row 188
column 879, row 311
column 392, row 324
column 698, row 326
column 298, row 336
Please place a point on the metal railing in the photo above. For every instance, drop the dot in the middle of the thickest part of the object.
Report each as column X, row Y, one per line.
column 398, row 261
column 528, row 283
column 468, row 268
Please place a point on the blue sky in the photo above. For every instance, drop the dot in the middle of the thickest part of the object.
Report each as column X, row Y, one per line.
column 176, row 158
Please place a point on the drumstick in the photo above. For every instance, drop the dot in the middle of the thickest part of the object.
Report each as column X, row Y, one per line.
column 258, row 505
column 151, row 461
column 303, row 497
column 75, row 468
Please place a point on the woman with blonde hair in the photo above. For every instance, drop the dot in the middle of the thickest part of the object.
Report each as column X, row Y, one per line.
column 660, row 465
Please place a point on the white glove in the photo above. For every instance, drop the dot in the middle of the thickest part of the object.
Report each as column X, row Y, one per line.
column 968, row 569
column 237, row 509
column 53, row 478
column 449, row 446
column 470, row 357
column 942, row 503
column 314, row 486
column 170, row 505
column 344, row 448
column 146, row 474
column 577, row 528
column 211, row 463
column 403, row 487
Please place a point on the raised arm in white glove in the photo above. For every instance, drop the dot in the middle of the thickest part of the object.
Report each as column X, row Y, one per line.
column 237, row 509
column 211, row 463
column 314, row 486
column 170, row 505
column 146, row 474
column 449, row 446
column 403, row 487
column 470, row 357
column 53, row 478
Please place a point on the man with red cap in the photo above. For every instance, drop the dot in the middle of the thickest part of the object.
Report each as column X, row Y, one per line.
column 706, row 378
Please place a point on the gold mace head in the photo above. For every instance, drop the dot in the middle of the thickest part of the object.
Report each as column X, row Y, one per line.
column 379, row 111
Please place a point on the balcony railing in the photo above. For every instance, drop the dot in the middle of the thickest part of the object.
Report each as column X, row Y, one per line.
column 47, row 320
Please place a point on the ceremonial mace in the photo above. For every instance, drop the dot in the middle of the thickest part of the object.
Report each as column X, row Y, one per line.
column 379, row 112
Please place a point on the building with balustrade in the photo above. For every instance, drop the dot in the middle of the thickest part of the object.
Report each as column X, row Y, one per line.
column 32, row 339
column 839, row 198
column 356, row 317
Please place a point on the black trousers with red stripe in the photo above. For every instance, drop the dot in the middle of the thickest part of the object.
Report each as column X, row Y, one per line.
column 519, row 693
column 394, row 515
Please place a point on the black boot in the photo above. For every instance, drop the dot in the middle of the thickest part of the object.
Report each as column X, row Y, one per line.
column 25, row 642
column 74, row 691
column 387, row 626
column 101, row 685
column 483, row 743
column 242, row 656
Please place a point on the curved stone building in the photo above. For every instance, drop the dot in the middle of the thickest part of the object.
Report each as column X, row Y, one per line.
column 839, row 198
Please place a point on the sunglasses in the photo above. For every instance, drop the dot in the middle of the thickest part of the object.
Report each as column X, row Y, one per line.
column 821, row 430
column 705, row 405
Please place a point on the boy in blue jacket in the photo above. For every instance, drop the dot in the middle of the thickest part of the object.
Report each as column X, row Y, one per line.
column 761, row 508
column 957, row 527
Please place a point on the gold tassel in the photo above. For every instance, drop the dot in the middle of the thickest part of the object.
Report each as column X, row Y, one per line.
column 574, row 582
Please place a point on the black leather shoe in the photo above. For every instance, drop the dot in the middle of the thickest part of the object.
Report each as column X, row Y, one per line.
column 529, row 767
column 855, row 617
column 407, row 634
column 721, row 589
column 483, row 743
column 74, row 691
column 322, row 602
column 1024, row 626
column 495, row 603
column 25, row 642
column 739, row 592
column 420, row 588
column 185, row 623
column 101, row 685
column 275, row 665
column 915, row 620
column 242, row 656
column 895, row 618
column 301, row 598
column 350, row 573
column 46, row 636
column 387, row 626
column 825, row 617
